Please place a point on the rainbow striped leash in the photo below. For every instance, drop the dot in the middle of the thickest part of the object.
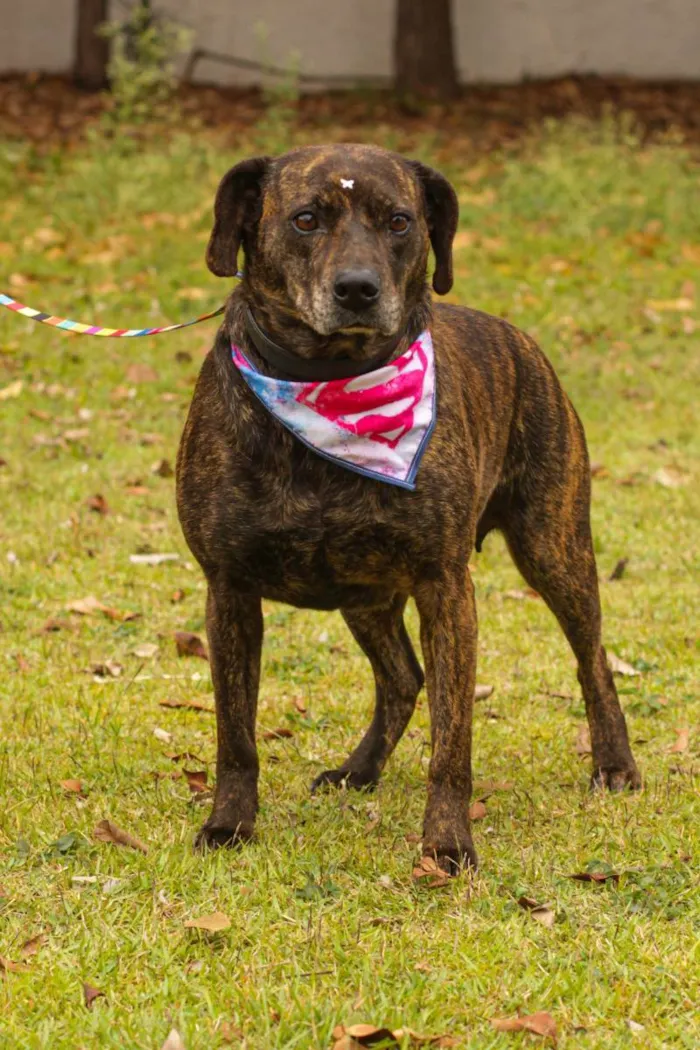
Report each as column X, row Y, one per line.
column 76, row 327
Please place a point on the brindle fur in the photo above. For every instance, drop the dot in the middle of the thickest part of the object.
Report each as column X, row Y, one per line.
column 267, row 518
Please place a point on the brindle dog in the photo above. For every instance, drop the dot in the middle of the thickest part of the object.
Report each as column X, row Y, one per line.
column 336, row 243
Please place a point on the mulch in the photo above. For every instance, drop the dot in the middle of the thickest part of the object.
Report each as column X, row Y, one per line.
column 50, row 111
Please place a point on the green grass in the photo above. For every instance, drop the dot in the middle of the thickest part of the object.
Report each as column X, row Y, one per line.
column 585, row 239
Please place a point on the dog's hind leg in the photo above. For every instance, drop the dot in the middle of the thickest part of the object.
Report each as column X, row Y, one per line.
column 382, row 636
column 548, row 534
column 235, row 630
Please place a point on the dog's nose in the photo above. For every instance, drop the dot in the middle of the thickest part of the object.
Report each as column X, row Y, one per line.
column 356, row 289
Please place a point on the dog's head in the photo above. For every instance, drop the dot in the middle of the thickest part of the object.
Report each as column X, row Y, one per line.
column 336, row 239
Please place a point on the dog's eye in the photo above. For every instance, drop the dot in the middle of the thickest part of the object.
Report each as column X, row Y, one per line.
column 305, row 222
column 399, row 223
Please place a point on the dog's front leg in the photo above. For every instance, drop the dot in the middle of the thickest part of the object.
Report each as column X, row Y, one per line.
column 448, row 638
column 235, row 631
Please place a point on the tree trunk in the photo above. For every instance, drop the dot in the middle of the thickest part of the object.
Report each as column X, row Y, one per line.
column 423, row 49
column 91, row 50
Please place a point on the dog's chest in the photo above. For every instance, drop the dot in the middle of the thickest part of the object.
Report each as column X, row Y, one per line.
column 325, row 541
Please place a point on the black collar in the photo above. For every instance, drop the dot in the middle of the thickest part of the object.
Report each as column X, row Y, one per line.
column 306, row 368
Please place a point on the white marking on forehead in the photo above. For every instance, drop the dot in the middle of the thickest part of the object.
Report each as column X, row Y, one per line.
column 347, row 184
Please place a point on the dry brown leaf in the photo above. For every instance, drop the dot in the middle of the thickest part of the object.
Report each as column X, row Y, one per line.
column 76, row 434
column 90, row 605
column 173, row 1041
column 196, row 780
column 669, row 478
column 162, row 468
column 183, row 756
column 539, row 1024
column 136, row 490
column 90, row 994
column 619, row 570
column 190, row 705
column 354, row 1035
column 482, row 692
column 618, row 666
column 138, row 372
column 106, row 831
column 230, row 1033
column 12, row 390
column 177, row 596
column 518, row 594
column 106, row 669
column 213, row 923
column 477, row 810
column 583, row 740
column 97, row 503
column 8, row 966
column 682, row 741
column 595, row 876
column 541, row 913
column 278, row 734
column 33, row 945
column 74, row 787
column 189, row 644
column 428, row 873
column 300, row 705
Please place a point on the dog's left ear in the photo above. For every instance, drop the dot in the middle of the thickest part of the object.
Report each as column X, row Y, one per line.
column 236, row 210
column 442, row 214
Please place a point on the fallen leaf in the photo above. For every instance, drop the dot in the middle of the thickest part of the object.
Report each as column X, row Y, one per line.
column 300, row 705
column 595, row 876
column 76, row 434
column 98, row 503
column 634, row 1026
column 682, row 741
column 539, row 1024
column 152, row 559
column 482, row 692
column 177, row 596
column 188, row 644
column 8, row 966
column 90, row 605
column 106, row 831
column 182, row 756
column 619, row 570
column 674, row 305
column 583, row 740
column 137, row 490
column 618, row 666
column 599, row 470
column 162, row 734
column 138, row 372
column 162, row 468
column 354, row 1035
column 494, row 785
column 230, row 1033
column 669, row 478
column 33, row 945
column 519, row 594
column 278, row 734
column 428, row 873
column 190, row 705
column 106, row 669
column 196, row 780
column 477, row 810
column 90, row 994
column 211, row 923
column 22, row 664
column 174, row 1041
column 145, row 651
column 72, row 787
column 541, row 913
column 13, row 390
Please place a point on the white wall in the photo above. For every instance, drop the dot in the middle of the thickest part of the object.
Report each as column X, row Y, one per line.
column 497, row 40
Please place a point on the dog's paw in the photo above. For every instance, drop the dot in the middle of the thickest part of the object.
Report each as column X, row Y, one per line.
column 453, row 859
column 216, row 835
column 357, row 779
column 616, row 779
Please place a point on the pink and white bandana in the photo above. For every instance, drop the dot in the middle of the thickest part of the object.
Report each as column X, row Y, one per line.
column 377, row 424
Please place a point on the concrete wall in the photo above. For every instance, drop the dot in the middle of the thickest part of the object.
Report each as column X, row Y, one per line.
column 497, row 40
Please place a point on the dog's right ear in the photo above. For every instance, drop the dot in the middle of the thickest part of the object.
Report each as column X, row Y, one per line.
column 236, row 209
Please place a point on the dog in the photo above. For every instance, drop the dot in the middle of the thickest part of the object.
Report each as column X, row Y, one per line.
column 336, row 243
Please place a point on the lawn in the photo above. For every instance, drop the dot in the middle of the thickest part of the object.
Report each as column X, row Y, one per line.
column 589, row 241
